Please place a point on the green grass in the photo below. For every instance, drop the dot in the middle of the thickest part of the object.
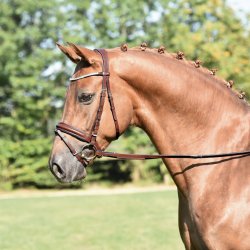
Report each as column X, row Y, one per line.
column 116, row 222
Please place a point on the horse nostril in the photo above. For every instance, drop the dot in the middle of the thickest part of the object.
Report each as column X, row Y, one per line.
column 58, row 171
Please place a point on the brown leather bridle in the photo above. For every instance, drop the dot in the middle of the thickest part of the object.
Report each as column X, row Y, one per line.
column 90, row 139
column 91, row 150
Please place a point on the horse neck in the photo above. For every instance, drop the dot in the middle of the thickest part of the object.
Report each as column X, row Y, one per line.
column 183, row 110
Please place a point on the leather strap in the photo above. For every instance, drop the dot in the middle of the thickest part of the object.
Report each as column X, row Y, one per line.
column 70, row 147
column 106, row 85
column 74, row 132
column 88, row 75
column 122, row 156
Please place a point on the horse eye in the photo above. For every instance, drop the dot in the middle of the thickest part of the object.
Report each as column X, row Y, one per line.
column 85, row 98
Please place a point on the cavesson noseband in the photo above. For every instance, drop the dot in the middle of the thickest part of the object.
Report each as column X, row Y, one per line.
column 92, row 149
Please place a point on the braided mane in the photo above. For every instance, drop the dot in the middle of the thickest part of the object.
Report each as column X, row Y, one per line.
column 181, row 58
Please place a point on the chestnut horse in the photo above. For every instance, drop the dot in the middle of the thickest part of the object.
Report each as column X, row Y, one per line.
column 184, row 108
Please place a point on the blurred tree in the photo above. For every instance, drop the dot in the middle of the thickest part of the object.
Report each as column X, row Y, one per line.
column 210, row 30
column 33, row 74
column 28, row 88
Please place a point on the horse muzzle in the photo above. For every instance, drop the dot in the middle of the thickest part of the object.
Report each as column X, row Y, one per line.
column 66, row 168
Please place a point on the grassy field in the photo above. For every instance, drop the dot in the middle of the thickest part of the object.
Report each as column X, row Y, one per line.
column 116, row 222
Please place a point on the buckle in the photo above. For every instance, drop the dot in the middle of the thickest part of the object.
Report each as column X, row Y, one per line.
column 105, row 73
column 88, row 152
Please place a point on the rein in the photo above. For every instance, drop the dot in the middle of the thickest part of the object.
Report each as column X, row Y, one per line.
column 91, row 150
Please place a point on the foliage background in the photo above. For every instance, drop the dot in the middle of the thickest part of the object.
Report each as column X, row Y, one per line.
column 33, row 74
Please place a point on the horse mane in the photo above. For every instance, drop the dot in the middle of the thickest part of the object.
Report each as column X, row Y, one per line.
column 179, row 56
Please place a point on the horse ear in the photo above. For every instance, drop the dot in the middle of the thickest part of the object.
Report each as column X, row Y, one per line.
column 70, row 53
column 86, row 54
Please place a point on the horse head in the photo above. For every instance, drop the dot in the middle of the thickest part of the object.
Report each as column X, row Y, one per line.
column 91, row 113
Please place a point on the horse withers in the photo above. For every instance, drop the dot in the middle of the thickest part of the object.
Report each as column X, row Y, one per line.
column 184, row 108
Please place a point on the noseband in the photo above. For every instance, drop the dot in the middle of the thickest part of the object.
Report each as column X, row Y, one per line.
column 91, row 150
